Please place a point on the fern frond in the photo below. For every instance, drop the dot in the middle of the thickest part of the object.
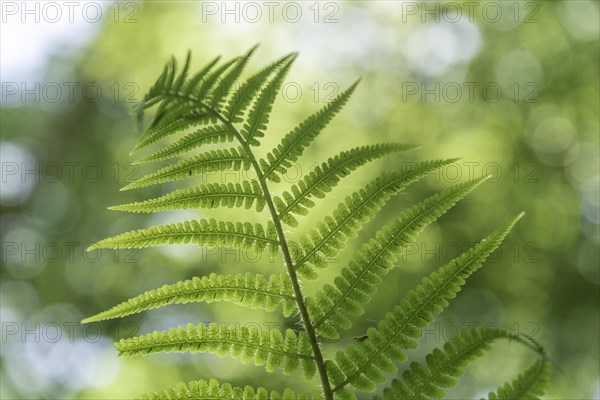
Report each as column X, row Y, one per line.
column 254, row 291
column 209, row 195
column 207, row 135
column 213, row 390
column 352, row 214
column 242, row 98
column 213, row 106
column 331, row 307
column 258, row 117
column 266, row 347
column 444, row 366
column 326, row 176
column 202, row 232
column 530, row 385
column 294, row 143
column 210, row 161
column 364, row 363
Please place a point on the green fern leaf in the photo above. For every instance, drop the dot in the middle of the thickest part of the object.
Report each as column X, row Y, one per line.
column 258, row 117
column 332, row 306
column 242, row 98
column 364, row 363
column 182, row 105
column 318, row 245
column 444, row 366
column 163, row 92
column 209, row 195
column 266, row 347
column 213, row 390
column 189, row 96
column 202, row 232
column 530, row 385
column 326, row 176
column 207, row 135
column 255, row 291
column 212, row 107
column 207, row 88
column 210, row 161
column 178, row 83
column 221, row 92
column 294, row 143
column 335, row 374
column 173, row 83
column 191, row 86
column 177, row 122
column 162, row 84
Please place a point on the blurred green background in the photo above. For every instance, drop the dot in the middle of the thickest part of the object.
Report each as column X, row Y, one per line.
column 511, row 87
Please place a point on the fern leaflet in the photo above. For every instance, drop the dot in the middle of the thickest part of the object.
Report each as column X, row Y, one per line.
column 207, row 135
column 255, row 291
column 201, row 232
column 258, row 118
column 241, row 99
column 209, row 195
column 326, row 176
column 266, row 347
column 202, row 390
column 530, row 385
column 294, row 143
column 211, row 161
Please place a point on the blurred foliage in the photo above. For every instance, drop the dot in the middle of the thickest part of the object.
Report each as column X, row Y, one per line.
column 539, row 141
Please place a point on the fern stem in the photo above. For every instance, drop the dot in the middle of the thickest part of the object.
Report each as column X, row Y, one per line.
column 291, row 270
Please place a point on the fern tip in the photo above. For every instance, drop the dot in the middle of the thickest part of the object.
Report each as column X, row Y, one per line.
column 355, row 84
column 136, row 148
column 290, row 58
column 92, row 247
column 143, row 160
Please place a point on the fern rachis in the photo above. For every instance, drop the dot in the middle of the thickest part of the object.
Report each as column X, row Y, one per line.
column 216, row 114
